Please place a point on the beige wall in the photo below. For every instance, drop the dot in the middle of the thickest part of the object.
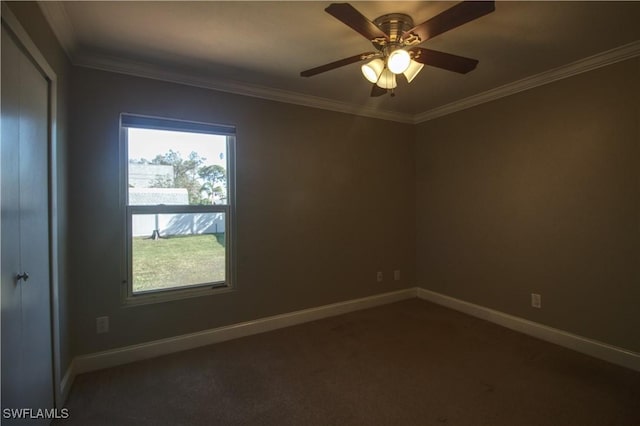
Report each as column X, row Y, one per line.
column 324, row 200
column 40, row 33
column 539, row 192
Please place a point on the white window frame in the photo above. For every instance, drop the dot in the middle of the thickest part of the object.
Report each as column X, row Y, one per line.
column 204, row 289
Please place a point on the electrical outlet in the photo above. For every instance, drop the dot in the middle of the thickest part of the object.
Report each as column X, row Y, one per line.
column 536, row 300
column 379, row 277
column 102, row 325
column 396, row 275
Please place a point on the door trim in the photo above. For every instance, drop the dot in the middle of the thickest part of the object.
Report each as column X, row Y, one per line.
column 12, row 24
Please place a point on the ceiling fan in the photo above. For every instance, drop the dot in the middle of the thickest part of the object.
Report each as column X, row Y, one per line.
column 395, row 39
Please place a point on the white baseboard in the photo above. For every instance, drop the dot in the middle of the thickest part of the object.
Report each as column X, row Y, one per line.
column 594, row 348
column 99, row 360
column 66, row 382
column 96, row 361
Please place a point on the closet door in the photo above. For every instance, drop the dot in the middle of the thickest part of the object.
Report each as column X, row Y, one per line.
column 27, row 374
column 10, row 221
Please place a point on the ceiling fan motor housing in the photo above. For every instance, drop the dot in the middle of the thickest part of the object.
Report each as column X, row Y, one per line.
column 394, row 25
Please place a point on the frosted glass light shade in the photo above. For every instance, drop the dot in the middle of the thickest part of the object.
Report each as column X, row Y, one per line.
column 372, row 70
column 398, row 61
column 387, row 80
column 413, row 70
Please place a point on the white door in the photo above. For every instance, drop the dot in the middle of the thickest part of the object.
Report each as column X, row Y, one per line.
column 27, row 373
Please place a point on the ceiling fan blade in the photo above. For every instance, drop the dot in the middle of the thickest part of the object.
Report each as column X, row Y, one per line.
column 348, row 15
column 377, row 91
column 451, row 18
column 336, row 64
column 446, row 61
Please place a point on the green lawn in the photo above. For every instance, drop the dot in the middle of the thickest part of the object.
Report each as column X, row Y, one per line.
column 177, row 261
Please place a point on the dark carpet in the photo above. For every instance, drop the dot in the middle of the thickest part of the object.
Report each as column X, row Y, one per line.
column 407, row 363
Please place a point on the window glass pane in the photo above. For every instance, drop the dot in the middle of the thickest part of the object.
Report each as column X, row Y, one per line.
column 177, row 250
column 176, row 168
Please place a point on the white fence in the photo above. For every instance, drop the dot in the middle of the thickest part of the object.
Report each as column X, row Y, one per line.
column 169, row 224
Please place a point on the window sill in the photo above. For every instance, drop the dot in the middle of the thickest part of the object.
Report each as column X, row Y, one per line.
column 170, row 295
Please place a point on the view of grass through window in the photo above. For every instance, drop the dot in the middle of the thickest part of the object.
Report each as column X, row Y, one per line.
column 161, row 264
column 177, row 197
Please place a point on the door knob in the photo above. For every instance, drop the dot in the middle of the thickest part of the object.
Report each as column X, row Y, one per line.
column 23, row 276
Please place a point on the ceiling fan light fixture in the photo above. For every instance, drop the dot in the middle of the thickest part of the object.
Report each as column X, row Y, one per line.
column 413, row 70
column 398, row 61
column 373, row 70
column 395, row 38
column 387, row 80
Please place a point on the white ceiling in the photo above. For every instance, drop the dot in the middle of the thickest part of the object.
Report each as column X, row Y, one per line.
column 261, row 47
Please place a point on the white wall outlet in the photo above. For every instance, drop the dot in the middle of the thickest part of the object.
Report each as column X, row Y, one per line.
column 536, row 300
column 379, row 277
column 396, row 275
column 102, row 325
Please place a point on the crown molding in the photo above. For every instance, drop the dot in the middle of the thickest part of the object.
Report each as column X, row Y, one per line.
column 56, row 15
column 146, row 70
column 140, row 69
column 590, row 63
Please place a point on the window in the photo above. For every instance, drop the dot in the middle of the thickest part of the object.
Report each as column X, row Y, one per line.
column 179, row 207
